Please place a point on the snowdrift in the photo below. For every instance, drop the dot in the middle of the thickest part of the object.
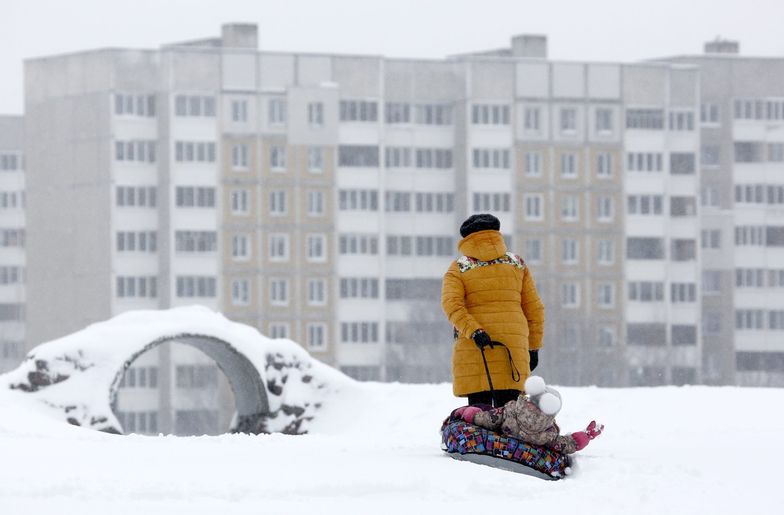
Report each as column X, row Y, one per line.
column 278, row 387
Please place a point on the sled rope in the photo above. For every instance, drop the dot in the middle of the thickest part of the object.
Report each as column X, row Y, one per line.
column 515, row 371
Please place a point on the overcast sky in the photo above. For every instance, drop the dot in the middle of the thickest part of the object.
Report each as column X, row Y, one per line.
column 597, row 30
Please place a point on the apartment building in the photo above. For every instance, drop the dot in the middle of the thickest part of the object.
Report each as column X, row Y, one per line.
column 12, row 242
column 742, row 214
column 318, row 198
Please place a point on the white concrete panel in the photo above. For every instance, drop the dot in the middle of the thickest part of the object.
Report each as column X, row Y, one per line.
column 359, row 309
column 358, row 223
column 134, row 174
column 644, row 141
column 491, row 137
column 135, row 263
column 193, row 129
column 533, row 80
column 358, row 134
column 276, row 71
column 749, row 130
column 358, row 178
column 191, row 219
column 239, row 71
column 421, row 223
column 649, row 183
column 420, row 267
column 136, row 219
column 358, row 266
column 194, row 174
column 424, row 180
column 500, row 181
column 750, row 257
column 604, row 81
column 645, row 270
column 402, row 136
column 646, row 312
column 568, row 80
column 134, row 128
column 685, row 313
column 758, row 341
column 314, row 70
column 684, row 141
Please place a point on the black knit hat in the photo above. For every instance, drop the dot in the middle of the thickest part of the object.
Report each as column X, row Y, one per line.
column 481, row 222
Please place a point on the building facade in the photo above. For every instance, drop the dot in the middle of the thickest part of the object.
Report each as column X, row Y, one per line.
column 318, row 198
column 12, row 242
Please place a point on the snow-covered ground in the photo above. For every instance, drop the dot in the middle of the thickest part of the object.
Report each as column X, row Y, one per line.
column 375, row 449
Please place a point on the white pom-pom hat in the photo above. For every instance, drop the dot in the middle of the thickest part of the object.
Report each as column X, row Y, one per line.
column 545, row 397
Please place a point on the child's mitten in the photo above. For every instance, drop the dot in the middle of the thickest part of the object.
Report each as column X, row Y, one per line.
column 581, row 438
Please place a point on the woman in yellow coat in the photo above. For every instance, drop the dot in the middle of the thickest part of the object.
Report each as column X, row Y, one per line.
column 489, row 295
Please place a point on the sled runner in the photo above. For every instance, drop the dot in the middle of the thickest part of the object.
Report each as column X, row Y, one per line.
column 467, row 442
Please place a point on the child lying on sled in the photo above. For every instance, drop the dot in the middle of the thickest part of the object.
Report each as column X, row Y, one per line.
column 531, row 418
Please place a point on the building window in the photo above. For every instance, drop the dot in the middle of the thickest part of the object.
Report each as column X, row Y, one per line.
column 315, row 159
column 439, row 158
column 278, row 203
column 196, row 286
column 645, row 119
column 710, row 156
column 397, row 201
column 709, row 196
column 645, row 205
column 240, row 292
column 240, row 202
column 606, row 336
column 239, row 111
column 710, row 239
column 605, row 208
column 317, row 337
column 316, row 248
column 533, row 206
column 776, row 152
column 358, row 156
column 315, row 203
column 194, row 151
column 570, row 208
column 750, row 236
column 491, row 158
column 434, row 202
column 278, row 247
column 683, row 292
column 359, row 288
column 433, row 114
column 135, row 241
column 644, row 162
column 711, row 282
column 568, row 120
column 604, row 165
column 278, row 158
column 644, row 248
column 12, row 274
column 194, row 106
column 278, row 330
column 749, row 278
column 484, row 202
column 358, row 200
column 532, row 119
column 605, row 251
column 682, row 163
column 136, row 196
column 569, row 165
column 749, row 319
column 195, row 196
column 398, row 157
column 137, row 287
column 533, row 251
column 316, row 114
column 569, row 251
column 358, row 244
column 359, row 332
column 135, row 151
column 750, row 151
column 488, row 114
column 397, row 112
column 277, row 114
column 606, row 295
column 710, row 114
column 10, row 161
column 681, row 121
column 533, row 164
column 196, row 241
column 358, row 111
column 683, row 249
column 279, row 292
column 570, row 295
column 239, row 157
column 317, row 292
column 240, row 247
column 126, row 104
column 604, row 120
column 646, row 291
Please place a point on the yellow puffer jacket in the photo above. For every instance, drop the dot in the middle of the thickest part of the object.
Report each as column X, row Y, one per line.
column 488, row 288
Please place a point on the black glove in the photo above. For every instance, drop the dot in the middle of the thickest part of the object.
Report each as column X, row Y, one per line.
column 534, row 355
column 482, row 339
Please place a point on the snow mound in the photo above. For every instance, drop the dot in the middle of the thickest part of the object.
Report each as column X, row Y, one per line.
column 278, row 387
